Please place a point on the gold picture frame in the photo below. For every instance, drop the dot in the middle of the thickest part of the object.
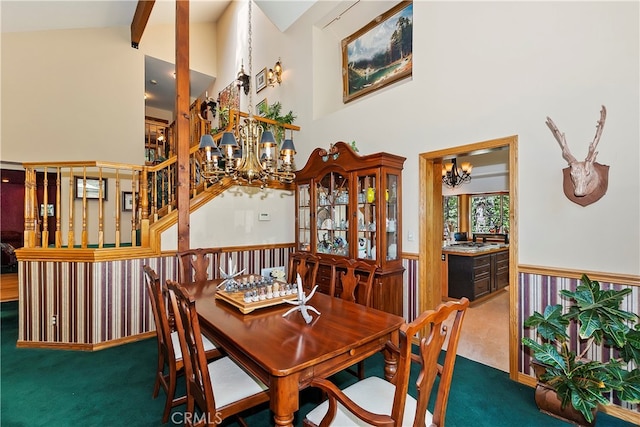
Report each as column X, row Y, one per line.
column 261, row 80
column 260, row 105
column 378, row 54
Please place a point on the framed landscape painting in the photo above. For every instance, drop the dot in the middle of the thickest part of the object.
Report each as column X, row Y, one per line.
column 378, row 54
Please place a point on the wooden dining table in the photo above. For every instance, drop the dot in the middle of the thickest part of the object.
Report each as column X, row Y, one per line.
column 286, row 353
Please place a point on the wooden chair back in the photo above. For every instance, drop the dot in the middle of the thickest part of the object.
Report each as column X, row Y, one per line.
column 352, row 280
column 160, row 314
column 430, row 346
column 306, row 265
column 199, row 387
column 198, row 264
column 166, row 353
column 435, row 323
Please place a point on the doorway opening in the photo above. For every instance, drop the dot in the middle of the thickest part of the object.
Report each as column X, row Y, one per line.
column 431, row 225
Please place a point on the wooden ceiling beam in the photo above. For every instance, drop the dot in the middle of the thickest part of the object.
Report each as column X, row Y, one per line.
column 140, row 19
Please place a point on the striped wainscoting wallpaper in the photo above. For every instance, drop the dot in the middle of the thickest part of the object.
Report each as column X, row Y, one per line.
column 538, row 290
column 99, row 302
column 410, row 306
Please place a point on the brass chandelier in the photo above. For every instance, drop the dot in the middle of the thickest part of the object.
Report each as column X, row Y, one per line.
column 257, row 158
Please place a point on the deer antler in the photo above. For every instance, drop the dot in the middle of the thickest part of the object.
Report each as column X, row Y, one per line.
column 591, row 156
column 566, row 154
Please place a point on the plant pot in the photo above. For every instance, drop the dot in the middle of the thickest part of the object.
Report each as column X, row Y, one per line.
column 549, row 403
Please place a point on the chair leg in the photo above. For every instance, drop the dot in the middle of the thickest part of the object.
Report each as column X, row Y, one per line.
column 171, row 391
column 361, row 370
column 159, row 373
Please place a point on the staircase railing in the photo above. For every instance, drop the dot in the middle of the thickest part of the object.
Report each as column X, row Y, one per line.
column 97, row 204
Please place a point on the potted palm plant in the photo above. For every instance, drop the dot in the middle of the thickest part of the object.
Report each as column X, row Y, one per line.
column 570, row 386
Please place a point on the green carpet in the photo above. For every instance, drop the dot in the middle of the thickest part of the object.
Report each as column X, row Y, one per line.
column 113, row 387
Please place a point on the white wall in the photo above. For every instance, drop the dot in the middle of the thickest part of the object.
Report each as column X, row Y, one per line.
column 233, row 219
column 482, row 70
column 72, row 95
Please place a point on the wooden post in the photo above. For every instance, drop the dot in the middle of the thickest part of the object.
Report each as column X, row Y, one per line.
column 182, row 120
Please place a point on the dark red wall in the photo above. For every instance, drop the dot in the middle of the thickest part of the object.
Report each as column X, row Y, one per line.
column 12, row 205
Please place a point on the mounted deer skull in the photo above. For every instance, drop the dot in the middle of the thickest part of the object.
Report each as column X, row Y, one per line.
column 583, row 182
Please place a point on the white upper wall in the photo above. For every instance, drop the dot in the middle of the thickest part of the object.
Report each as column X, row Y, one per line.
column 484, row 71
column 481, row 70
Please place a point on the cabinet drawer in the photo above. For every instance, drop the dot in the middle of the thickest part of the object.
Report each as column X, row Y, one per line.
column 502, row 256
column 481, row 261
column 481, row 271
column 481, row 286
column 502, row 279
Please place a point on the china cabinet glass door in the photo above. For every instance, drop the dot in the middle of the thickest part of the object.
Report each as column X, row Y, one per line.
column 332, row 214
column 304, row 217
column 366, row 217
column 391, row 217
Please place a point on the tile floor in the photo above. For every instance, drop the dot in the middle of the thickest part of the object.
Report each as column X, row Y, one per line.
column 485, row 332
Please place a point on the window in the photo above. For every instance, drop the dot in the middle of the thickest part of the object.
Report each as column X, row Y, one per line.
column 451, row 215
column 490, row 213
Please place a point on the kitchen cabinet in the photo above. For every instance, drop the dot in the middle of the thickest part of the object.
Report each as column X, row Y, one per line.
column 475, row 275
column 349, row 205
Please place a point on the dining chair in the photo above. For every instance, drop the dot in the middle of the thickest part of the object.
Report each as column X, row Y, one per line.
column 375, row 401
column 218, row 389
column 306, row 265
column 170, row 361
column 198, row 264
column 352, row 280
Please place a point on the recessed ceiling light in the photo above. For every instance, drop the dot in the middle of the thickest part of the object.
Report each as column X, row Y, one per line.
column 153, row 82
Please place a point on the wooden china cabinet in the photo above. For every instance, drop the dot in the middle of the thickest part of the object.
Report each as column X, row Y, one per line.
column 349, row 206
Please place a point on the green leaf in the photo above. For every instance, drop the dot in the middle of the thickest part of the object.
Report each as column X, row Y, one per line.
column 549, row 355
column 631, row 349
column 552, row 325
column 630, row 386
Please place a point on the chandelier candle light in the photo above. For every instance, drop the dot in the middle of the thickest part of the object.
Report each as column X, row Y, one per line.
column 454, row 176
column 257, row 158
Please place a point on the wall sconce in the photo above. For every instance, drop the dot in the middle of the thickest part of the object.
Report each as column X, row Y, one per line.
column 274, row 75
column 243, row 80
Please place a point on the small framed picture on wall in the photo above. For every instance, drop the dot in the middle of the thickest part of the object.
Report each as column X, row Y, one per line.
column 261, row 80
column 260, row 106
column 127, row 201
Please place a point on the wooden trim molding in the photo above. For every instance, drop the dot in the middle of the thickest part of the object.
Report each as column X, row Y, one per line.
column 85, row 347
column 621, row 279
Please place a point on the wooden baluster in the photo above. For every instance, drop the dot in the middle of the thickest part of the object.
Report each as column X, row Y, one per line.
column 85, row 238
column 144, row 208
column 153, row 195
column 45, row 213
column 100, row 209
column 118, row 207
column 168, row 180
column 192, row 172
column 134, row 208
column 58, row 232
column 29, row 201
column 70, row 236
